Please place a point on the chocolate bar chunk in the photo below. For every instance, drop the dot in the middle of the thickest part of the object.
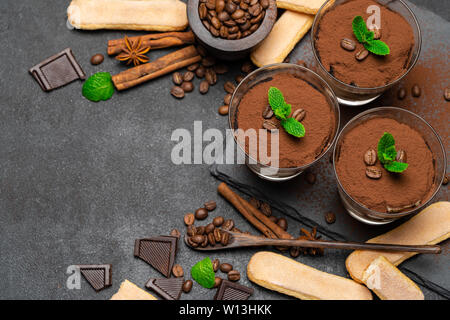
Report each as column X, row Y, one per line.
column 159, row 252
column 232, row 291
column 57, row 71
column 169, row 289
column 97, row 275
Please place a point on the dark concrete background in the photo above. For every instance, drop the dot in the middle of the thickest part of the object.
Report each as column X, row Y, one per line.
column 79, row 181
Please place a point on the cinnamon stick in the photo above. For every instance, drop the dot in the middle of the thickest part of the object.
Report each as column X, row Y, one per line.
column 166, row 64
column 253, row 215
column 154, row 41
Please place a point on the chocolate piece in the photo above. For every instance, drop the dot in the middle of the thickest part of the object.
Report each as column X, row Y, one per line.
column 169, row 289
column 159, row 252
column 57, row 71
column 232, row 291
column 97, row 275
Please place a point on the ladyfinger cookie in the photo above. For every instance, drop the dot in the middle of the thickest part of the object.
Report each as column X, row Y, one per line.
column 304, row 6
column 286, row 33
column 130, row 291
column 150, row 15
column 389, row 283
column 277, row 272
column 430, row 226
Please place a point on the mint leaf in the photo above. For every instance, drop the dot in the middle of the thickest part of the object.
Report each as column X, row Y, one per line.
column 390, row 154
column 203, row 273
column 359, row 28
column 377, row 47
column 386, row 141
column 98, row 87
column 369, row 35
column 293, row 127
column 395, row 166
column 276, row 99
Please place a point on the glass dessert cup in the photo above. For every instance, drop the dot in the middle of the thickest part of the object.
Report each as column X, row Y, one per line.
column 432, row 139
column 356, row 96
column 260, row 75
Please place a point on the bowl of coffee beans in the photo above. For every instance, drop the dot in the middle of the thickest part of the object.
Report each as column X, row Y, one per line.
column 229, row 29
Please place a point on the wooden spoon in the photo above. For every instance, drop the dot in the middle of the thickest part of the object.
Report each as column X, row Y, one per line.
column 239, row 240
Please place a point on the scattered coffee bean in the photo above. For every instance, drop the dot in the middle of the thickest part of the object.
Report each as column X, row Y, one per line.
column 216, row 264
column 187, row 86
column 211, row 76
column 268, row 112
column 239, row 78
column 255, row 203
column 234, row 275
column 200, row 230
column 401, row 156
column 361, row 54
column 223, row 110
column 192, row 243
column 189, row 219
column 270, row 125
column 273, row 219
column 228, row 225
column 221, row 68
column 401, row 93
column 299, row 115
column 191, row 230
column 175, row 233
column 227, row 99
column 217, row 282
column 229, row 87
column 247, row 67
column 201, row 214
column 330, row 217
column 211, row 239
column 217, row 235
column 265, row 209
column 210, row 205
column 177, row 271
column 445, row 181
column 370, row 157
column 177, row 78
column 193, row 67
column 177, row 92
column 447, row 94
column 373, row 172
column 218, row 221
column 225, row 238
column 97, row 59
column 416, row 91
column 205, row 242
column 198, row 238
column 208, row 61
column 226, row 267
column 203, row 87
column 209, row 228
column 200, row 72
column 188, row 76
column 348, row 44
column 376, row 33
column 294, row 252
column 187, row 286
column 310, row 177
column 282, row 223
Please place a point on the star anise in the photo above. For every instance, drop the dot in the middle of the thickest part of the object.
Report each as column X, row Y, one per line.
column 133, row 52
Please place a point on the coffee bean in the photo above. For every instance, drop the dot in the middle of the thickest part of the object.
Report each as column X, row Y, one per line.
column 282, row 223
column 223, row 110
column 193, row 67
column 299, row 115
column 177, row 78
column 211, row 239
column 189, row 219
column 310, row 177
column 247, row 67
column 205, row 242
column 294, row 252
column 348, row 44
column 239, row 78
column 175, row 233
column 401, row 156
column 330, row 217
column 215, row 32
column 256, row 20
column 200, row 230
column 209, row 228
column 177, row 271
column 376, row 33
column 217, row 235
column 97, row 59
column 198, row 238
column 361, row 54
column 228, row 225
column 216, row 22
column 401, row 93
column 370, row 157
column 188, row 76
column 208, row 61
column 265, row 209
column 218, row 221
column 273, row 219
column 200, row 72
column 210, row 205
column 202, row 11
column 445, row 181
column 220, row 68
column 220, row 5
column 234, row 275
column 239, row 13
column 225, row 238
column 211, row 4
column 206, row 24
column 226, row 267
column 255, row 203
column 227, row 99
column 201, row 214
column 177, row 92
column 211, row 76
column 203, row 87
column 187, row 286
column 447, row 94
column 216, row 264
column 373, row 172
column 229, row 87
column 217, row 282
column 191, row 230
column 187, row 86
column 264, row 3
column 268, row 112
column 270, row 125
column 230, row 7
column 416, row 91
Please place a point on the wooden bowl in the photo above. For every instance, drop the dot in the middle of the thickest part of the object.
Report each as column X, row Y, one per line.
column 230, row 49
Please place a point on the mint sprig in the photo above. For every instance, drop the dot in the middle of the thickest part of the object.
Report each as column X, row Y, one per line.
column 387, row 154
column 203, row 273
column 364, row 36
column 282, row 110
column 98, row 87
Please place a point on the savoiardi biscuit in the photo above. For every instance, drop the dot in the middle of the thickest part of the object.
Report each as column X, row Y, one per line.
column 149, row 15
column 286, row 33
column 430, row 226
column 129, row 291
column 304, row 6
column 277, row 272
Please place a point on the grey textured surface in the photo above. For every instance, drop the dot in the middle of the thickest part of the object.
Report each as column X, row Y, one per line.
column 80, row 181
